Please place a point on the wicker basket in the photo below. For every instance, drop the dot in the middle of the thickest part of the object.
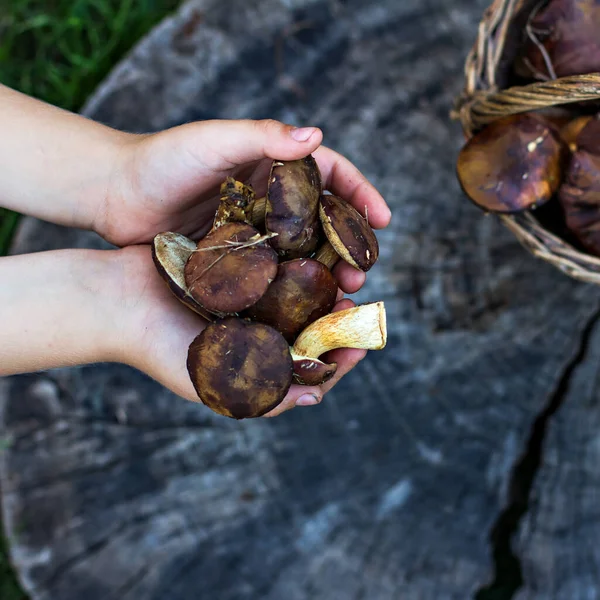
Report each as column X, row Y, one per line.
column 487, row 96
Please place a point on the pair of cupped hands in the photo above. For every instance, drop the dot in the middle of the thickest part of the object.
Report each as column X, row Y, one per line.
column 169, row 181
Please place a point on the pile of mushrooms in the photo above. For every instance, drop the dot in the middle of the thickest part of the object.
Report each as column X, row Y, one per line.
column 546, row 158
column 262, row 277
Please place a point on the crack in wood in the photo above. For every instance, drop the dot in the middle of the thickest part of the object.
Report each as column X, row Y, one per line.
column 508, row 572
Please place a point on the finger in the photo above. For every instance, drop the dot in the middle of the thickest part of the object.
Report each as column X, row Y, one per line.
column 225, row 144
column 343, row 179
column 298, row 395
column 343, row 304
column 348, row 278
column 346, row 359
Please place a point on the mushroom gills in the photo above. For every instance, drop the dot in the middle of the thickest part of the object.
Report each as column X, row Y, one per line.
column 170, row 252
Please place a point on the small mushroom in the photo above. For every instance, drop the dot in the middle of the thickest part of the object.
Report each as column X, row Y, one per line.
column 512, row 165
column 291, row 207
column 230, row 269
column 303, row 291
column 579, row 195
column 363, row 326
column 170, row 252
column 349, row 235
column 243, row 369
column 236, row 203
column 561, row 39
column 240, row 369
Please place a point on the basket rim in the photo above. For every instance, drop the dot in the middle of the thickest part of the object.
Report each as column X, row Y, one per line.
column 484, row 101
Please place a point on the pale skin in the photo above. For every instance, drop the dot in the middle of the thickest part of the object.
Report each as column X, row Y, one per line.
column 78, row 306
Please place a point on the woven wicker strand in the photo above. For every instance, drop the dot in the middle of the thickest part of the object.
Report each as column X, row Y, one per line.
column 481, row 103
column 485, row 109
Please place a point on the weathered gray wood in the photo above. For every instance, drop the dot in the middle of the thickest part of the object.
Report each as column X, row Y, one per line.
column 112, row 488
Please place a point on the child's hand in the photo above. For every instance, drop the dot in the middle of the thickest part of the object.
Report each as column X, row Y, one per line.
column 170, row 181
column 156, row 331
column 72, row 307
column 100, row 306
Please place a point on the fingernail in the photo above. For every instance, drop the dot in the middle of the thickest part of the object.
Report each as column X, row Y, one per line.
column 302, row 134
column 307, row 400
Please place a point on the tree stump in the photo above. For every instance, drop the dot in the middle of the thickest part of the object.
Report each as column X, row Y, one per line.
column 460, row 462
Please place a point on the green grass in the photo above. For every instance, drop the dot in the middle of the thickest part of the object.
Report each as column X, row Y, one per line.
column 58, row 51
column 9, row 588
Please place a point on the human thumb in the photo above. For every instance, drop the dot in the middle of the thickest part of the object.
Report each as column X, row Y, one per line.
column 220, row 144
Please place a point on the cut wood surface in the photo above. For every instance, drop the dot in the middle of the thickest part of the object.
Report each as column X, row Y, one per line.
column 461, row 462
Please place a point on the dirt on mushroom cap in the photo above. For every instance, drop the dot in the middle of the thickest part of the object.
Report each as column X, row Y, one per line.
column 224, row 275
column 240, row 369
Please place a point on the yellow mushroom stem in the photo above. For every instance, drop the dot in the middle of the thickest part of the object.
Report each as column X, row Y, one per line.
column 327, row 255
column 259, row 208
column 362, row 326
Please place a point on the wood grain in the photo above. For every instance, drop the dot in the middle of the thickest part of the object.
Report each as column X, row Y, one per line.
column 114, row 489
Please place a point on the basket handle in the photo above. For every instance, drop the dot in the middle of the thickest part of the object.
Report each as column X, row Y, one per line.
column 484, row 108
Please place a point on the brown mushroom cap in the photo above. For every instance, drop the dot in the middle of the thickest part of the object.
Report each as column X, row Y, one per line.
column 240, row 369
column 566, row 31
column 170, row 252
column 292, row 205
column 512, row 165
column 303, row 291
column 348, row 232
column 588, row 136
column 312, row 371
column 571, row 130
column 579, row 195
column 226, row 276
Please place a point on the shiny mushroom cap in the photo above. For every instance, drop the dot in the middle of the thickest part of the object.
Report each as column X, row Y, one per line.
column 561, row 40
column 348, row 232
column 303, row 291
column 292, row 205
column 512, row 165
column 240, row 369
